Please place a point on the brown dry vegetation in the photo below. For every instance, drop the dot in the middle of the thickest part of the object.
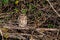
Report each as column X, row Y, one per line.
column 30, row 20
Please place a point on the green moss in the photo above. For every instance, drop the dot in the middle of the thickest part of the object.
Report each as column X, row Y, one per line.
column 44, row 3
column 5, row 2
column 16, row 10
column 31, row 7
column 50, row 26
column 24, row 11
column 1, row 21
column 40, row 13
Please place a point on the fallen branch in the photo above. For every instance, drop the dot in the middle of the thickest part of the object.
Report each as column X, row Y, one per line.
column 47, row 29
column 16, row 35
column 1, row 34
column 20, row 35
column 53, row 8
column 27, row 28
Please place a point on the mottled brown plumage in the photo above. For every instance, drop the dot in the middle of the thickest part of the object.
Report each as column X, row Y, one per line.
column 22, row 20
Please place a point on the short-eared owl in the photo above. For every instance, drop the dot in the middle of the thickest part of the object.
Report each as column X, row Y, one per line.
column 22, row 20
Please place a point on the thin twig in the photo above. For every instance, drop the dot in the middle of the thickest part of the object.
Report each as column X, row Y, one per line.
column 1, row 34
column 53, row 8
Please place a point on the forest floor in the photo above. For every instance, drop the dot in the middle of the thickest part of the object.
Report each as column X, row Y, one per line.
column 43, row 19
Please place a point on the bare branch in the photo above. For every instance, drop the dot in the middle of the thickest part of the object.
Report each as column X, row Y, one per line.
column 47, row 29
column 53, row 8
column 1, row 34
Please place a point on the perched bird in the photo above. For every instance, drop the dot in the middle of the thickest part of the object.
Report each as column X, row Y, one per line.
column 22, row 20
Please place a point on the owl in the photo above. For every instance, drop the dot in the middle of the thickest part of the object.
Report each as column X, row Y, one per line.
column 22, row 20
